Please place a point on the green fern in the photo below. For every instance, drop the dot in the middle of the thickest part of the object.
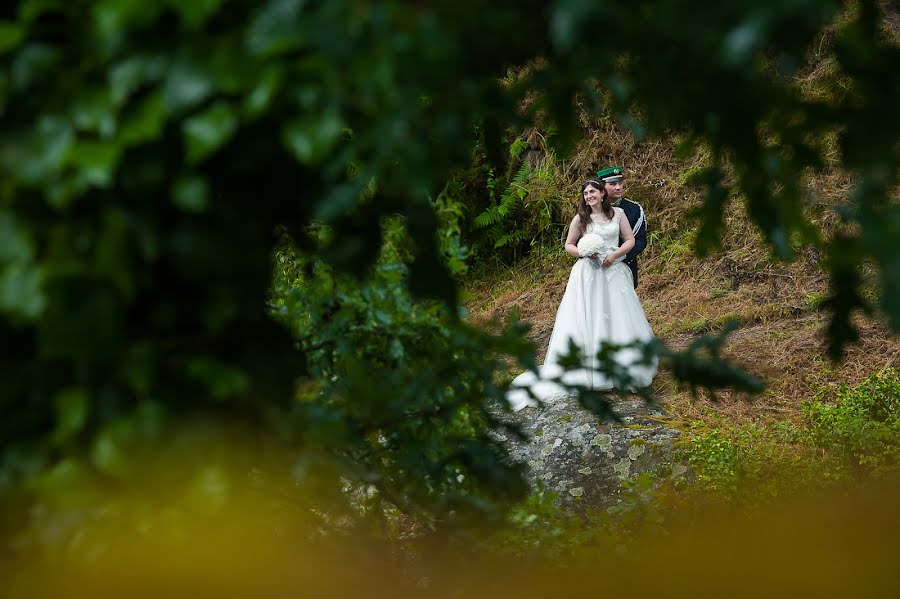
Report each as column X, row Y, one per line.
column 509, row 202
column 511, row 238
column 516, row 149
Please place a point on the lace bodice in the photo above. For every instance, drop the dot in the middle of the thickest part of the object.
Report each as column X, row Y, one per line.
column 606, row 229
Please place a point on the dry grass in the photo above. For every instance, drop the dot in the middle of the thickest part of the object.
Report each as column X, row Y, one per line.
column 782, row 334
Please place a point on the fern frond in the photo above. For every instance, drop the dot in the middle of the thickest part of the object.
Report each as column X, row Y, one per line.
column 488, row 217
column 516, row 149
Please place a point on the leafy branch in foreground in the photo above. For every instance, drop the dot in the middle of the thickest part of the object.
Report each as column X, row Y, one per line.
column 150, row 151
column 699, row 366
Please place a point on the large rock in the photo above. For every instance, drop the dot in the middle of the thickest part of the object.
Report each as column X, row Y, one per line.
column 585, row 460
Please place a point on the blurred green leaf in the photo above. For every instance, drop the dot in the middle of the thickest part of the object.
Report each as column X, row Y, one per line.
column 219, row 378
column 144, row 122
column 21, row 290
column 133, row 73
column 95, row 161
column 71, row 414
column 15, row 240
column 311, row 139
column 11, row 35
column 46, row 150
column 186, row 85
column 277, row 28
column 196, row 12
column 263, row 93
column 206, row 132
column 191, row 194
column 33, row 63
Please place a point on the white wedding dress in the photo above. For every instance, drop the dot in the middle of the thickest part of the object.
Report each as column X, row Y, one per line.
column 599, row 305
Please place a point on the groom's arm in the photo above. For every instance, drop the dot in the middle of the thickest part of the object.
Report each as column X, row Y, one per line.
column 640, row 235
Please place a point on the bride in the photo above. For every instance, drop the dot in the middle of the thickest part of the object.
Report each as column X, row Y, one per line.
column 599, row 306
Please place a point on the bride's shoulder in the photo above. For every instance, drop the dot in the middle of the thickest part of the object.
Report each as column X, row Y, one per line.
column 618, row 211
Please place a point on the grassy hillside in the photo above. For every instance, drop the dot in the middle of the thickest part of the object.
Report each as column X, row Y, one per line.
column 781, row 338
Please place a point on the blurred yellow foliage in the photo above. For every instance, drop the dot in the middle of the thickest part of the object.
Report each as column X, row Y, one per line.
column 843, row 543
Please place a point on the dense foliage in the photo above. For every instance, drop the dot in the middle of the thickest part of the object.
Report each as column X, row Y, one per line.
column 399, row 390
column 153, row 152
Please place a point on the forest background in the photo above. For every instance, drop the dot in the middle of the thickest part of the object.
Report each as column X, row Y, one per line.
column 233, row 237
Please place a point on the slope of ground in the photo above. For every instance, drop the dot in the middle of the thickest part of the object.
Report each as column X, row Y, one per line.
column 782, row 333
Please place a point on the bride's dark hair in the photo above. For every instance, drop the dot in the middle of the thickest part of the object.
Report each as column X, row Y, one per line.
column 584, row 211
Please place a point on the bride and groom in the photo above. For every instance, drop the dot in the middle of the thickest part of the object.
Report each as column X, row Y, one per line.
column 599, row 305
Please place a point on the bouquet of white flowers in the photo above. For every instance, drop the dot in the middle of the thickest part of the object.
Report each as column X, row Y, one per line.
column 592, row 246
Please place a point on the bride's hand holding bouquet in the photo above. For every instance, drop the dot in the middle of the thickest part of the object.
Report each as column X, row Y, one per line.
column 592, row 246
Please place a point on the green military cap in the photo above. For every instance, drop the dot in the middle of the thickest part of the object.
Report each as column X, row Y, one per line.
column 611, row 174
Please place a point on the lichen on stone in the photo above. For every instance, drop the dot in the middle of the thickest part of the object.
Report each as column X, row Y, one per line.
column 622, row 467
column 635, row 451
column 603, row 441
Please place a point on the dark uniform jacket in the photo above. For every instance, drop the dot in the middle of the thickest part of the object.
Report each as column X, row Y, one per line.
column 635, row 215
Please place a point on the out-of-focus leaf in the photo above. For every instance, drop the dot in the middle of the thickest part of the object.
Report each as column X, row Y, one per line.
column 220, row 379
column 21, row 290
column 197, row 12
column 208, row 131
column 311, row 139
column 261, row 96
column 15, row 240
column 95, row 161
column 113, row 18
column 191, row 194
column 32, row 64
column 51, row 144
column 94, row 114
column 185, row 86
column 144, row 122
column 133, row 73
column 71, row 413
column 277, row 28
column 11, row 35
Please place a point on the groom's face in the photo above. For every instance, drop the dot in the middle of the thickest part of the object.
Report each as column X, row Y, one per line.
column 615, row 190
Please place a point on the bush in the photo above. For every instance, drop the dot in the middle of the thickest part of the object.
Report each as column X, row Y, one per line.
column 851, row 433
column 861, row 425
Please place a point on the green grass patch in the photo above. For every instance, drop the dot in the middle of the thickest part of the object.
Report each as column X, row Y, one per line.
column 847, row 434
column 813, row 301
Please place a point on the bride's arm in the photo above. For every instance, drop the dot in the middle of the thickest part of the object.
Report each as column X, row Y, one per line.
column 627, row 241
column 573, row 237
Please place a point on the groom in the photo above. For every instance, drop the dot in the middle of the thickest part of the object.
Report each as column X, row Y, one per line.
column 613, row 180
